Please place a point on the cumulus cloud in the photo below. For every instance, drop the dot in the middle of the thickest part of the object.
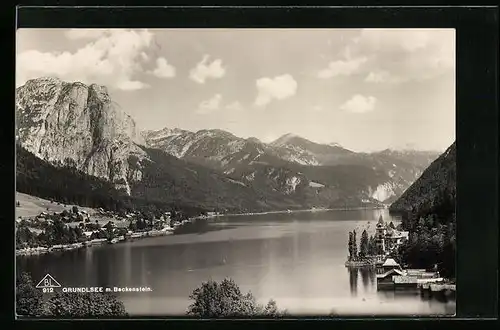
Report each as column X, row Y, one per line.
column 342, row 68
column 211, row 105
column 359, row 104
column 278, row 88
column 382, row 77
column 163, row 69
column 401, row 55
column 111, row 57
column 204, row 70
column 144, row 56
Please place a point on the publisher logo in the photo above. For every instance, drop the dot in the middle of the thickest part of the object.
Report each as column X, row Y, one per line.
column 48, row 283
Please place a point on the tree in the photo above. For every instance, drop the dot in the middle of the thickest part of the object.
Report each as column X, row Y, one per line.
column 350, row 246
column 354, row 245
column 109, row 230
column 372, row 246
column 75, row 209
column 18, row 204
column 29, row 300
column 85, row 305
column 363, row 245
column 391, row 225
column 225, row 299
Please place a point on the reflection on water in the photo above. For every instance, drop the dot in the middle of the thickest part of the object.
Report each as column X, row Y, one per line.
column 353, row 280
column 296, row 259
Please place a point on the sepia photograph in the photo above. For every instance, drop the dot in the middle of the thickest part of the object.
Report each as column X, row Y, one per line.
column 235, row 173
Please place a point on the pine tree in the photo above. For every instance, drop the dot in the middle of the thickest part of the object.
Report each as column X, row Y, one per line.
column 350, row 246
column 363, row 245
column 354, row 245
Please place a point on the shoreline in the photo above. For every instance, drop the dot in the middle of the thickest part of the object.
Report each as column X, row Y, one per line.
column 40, row 250
column 36, row 251
column 302, row 211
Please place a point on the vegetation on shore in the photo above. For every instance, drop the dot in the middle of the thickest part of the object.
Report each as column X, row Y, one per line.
column 367, row 248
column 225, row 299
column 69, row 186
column 31, row 302
column 211, row 300
column 428, row 213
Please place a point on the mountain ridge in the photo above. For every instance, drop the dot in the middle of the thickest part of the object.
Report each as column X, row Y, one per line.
column 79, row 126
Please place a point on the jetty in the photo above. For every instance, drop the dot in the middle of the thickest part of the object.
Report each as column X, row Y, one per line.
column 441, row 291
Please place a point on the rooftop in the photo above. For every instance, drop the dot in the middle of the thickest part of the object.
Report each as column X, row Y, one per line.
column 389, row 262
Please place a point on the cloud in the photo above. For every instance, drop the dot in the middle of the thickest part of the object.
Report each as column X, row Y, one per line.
column 359, row 104
column 110, row 57
column 401, row 55
column 235, row 106
column 211, row 105
column 144, row 56
column 163, row 69
column 129, row 85
column 382, row 77
column 279, row 88
column 204, row 70
column 342, row 68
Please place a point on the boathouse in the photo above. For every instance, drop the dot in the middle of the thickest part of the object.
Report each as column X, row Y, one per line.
column 385, row 273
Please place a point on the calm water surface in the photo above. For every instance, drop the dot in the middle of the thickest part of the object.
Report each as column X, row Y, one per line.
column 296, row 259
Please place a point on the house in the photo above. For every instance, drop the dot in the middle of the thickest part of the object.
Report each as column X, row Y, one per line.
column 387, row 238
column 386, row 272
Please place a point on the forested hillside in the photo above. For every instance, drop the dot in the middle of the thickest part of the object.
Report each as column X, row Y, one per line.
column 428, row 212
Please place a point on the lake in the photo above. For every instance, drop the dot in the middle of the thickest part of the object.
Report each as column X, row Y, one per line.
column 296, row 258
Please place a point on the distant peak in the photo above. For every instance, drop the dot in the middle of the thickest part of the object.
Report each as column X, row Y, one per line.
column 253, row 139
column 284, row 139
column 163, row 133
column 215, row 132
column 335, row 144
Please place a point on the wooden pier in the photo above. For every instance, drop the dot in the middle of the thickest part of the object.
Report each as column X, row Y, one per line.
column 438, row 290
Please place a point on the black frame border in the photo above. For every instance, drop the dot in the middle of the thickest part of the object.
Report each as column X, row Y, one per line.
column 476, row 119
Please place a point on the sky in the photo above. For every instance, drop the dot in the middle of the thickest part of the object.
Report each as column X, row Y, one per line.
column 366, row 89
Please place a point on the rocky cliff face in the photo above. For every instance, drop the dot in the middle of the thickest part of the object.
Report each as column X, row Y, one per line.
column 77, row 125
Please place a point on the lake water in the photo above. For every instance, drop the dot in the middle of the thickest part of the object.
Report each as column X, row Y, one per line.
column 297, row 259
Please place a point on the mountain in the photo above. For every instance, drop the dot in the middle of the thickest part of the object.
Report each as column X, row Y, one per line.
column 427, row 210
column 297, row 149
column 69, row 185
column 435, row 187
column 246, row 158
column 77, row 125
column 71, row 129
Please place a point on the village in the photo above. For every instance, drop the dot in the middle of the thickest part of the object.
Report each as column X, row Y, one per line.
column 77, row 228
column 379, row 252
